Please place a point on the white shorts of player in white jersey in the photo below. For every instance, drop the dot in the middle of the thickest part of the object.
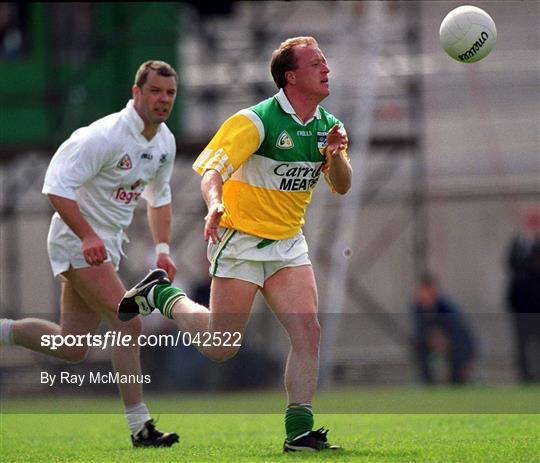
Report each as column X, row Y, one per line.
column 251, row 258
column 65, row 251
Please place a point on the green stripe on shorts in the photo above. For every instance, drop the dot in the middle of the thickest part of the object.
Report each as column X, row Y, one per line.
column 265, row 242
column 226, row 238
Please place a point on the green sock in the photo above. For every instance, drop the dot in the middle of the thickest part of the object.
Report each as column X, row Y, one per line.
column 298, row 420
column 165, row 296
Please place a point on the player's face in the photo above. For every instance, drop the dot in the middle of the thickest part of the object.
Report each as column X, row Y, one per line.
column 155, row 100
column 311, row 76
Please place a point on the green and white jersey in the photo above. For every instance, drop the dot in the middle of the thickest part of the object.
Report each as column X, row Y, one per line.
column 269, row 162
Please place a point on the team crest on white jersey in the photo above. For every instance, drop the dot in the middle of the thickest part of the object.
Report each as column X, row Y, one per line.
column 125, row 162
column 284, row 141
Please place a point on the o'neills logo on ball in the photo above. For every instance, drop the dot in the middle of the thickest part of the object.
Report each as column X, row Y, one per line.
column 476, row 46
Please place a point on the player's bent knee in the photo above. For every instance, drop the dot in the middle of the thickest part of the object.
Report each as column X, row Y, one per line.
column 74, row 355
column 314, row 335
column 221, row 354
column 132, row 327
column 307, row 336
column 310, row 329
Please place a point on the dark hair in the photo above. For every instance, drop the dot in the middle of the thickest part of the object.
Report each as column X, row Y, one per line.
column 161, row 67
column 284, row 58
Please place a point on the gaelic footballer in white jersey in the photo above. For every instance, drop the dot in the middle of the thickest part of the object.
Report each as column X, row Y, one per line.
column 106, row 167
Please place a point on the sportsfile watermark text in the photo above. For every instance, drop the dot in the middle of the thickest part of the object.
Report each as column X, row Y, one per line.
column 117, row 339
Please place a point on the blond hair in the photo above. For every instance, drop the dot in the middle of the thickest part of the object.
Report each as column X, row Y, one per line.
column 284, row 58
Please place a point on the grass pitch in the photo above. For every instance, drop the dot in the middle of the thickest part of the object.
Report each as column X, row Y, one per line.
column 28, row 434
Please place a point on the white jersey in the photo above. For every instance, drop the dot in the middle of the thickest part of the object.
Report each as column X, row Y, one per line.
column 108, row 165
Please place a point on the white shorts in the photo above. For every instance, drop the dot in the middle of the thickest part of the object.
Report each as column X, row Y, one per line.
column 251, row 258
column 65, row 251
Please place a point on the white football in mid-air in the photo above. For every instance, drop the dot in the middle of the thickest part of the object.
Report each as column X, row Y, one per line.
column 467, row 34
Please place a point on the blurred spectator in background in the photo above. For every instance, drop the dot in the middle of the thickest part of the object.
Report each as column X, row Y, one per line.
column 441, row 330
column 12, row 29
column 71, row 32
column 523, row 295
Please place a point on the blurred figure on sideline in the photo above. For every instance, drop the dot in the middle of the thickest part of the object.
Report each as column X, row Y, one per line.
column 523, row 295
column 441, row 329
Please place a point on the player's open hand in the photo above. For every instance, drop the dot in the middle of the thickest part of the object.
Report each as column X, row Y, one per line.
column 211, row 222
column 165, row 262
column 93, row 250
column 336, row 140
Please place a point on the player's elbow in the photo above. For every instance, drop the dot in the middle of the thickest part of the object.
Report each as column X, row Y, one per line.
column 342, row 189
column 343, row 186
column 211, row 177
column 342, row 181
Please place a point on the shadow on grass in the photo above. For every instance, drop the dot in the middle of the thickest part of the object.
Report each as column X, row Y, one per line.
column 347, row 455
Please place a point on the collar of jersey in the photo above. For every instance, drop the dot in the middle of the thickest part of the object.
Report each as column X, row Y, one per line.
column 287, row 107
column 134, row 120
